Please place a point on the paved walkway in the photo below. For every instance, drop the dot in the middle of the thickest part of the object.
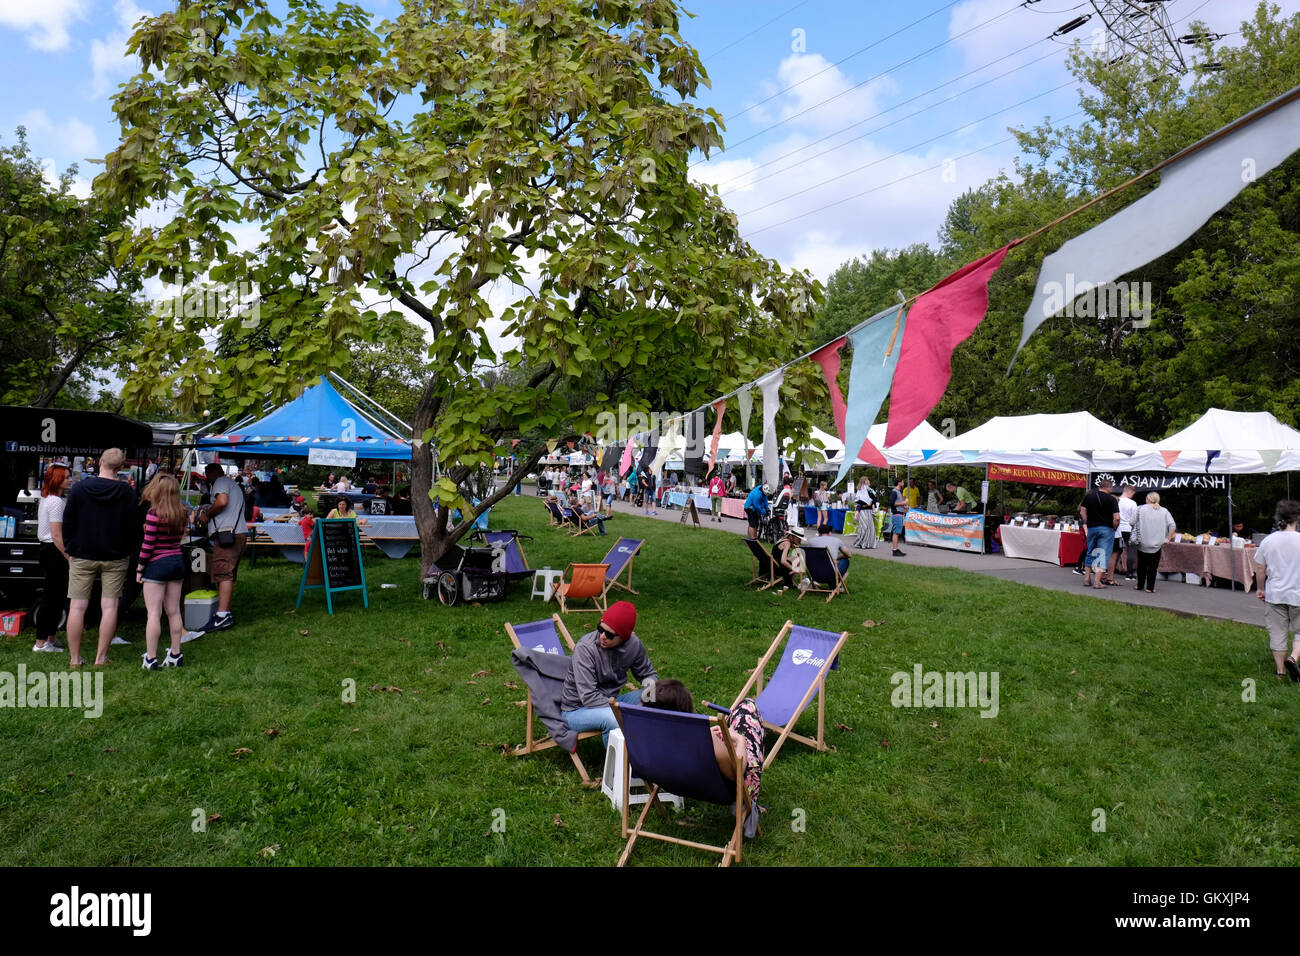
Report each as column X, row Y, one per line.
column 1172, row 596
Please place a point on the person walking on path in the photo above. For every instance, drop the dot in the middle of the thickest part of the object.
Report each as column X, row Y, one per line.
column 1279, row 556
column 898, row 509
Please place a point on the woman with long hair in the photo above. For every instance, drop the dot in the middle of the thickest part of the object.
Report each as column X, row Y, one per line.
column 162, row 571
column 54, row 558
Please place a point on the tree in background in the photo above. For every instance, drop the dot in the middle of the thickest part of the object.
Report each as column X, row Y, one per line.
column 66, row 308
column 535, row 147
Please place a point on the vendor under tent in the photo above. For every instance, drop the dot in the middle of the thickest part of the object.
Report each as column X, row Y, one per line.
column 321, row 419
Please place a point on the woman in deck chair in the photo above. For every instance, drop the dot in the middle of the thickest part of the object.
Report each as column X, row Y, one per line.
column 788, row 557
column 745, row 726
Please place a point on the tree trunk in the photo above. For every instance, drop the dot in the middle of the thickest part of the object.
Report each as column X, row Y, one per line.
column 433, row 532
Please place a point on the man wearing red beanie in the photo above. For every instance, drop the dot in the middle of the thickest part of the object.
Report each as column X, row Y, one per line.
column 601, row 661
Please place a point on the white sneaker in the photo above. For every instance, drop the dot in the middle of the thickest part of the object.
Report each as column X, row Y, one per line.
column 49, row 647
column 119, row 640
column 191, row 636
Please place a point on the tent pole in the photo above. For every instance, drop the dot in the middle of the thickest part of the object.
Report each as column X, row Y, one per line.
column 1232, row 579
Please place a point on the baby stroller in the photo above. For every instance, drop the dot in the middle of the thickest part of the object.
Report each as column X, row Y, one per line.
column 469, row 574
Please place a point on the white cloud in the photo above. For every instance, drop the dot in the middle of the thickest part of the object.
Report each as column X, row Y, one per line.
column 74, row 140
column 45, row 22
column 109, row 62
column 813, row 94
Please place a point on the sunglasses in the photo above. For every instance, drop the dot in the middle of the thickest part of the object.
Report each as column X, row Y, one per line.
column 606, row 632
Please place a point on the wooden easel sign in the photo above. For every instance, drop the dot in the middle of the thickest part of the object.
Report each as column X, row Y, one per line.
column 695, row 514
column 334, row 561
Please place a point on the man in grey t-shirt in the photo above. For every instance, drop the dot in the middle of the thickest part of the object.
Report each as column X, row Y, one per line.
column 1279, row 556
column 225, row 520
column 600, row 664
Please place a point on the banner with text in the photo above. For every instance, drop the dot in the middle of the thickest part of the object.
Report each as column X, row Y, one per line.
column 953, row 531
column 1163, row 481
column 1030, row 475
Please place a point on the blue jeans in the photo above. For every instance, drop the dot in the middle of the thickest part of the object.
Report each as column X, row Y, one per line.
column 599, row 718
column 843, row 565
column 1100, row 543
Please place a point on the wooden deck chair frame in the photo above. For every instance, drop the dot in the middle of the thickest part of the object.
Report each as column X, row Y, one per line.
column 582, row 526
column 772, row 577
column 626, row 570
column 531, row 744
column 841, row 580
column 817, row 687
column 597, row 599
column 731, row 850
column 550, row 515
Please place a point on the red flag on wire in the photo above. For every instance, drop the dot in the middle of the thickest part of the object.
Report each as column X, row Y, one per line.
column 941, row 319
column 828, row 357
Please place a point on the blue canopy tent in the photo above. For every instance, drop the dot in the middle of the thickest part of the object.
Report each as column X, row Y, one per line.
column 320, row 418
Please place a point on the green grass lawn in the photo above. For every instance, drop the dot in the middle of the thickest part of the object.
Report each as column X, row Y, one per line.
column 1102, row 706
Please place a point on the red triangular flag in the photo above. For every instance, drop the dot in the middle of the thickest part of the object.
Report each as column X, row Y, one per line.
column 941, row 319
column 1170, row 457
column 828, row 357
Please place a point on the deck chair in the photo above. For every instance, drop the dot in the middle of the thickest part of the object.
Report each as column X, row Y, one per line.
column 823, row 572
column 582, row 582
column 765, row 572
column 516, row 564
column 801, row 673
column 582, row 526
column 673, row 751
column 560, row 517
column 545, row 636
column 619, row 560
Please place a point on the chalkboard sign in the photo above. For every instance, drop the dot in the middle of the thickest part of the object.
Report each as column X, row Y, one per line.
column 334, row 561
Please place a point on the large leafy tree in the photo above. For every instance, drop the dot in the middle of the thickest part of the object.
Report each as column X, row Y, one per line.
column 538, row 148
column 66, row 306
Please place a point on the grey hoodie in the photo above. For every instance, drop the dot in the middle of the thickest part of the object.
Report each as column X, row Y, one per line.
column 598, row 674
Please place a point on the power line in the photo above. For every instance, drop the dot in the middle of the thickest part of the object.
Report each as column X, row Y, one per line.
column 846, row 59
column 895, row 182
column 924, row 142
column 801, row 3
column 872, row 132
column 856, row 86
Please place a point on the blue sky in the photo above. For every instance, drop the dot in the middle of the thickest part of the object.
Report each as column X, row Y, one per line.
column 850, row 125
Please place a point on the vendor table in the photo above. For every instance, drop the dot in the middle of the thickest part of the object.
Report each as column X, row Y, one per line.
column 733, row 508
column 393, row 535
column 285, row 535
column 1209, row 561
column 835, row 514
column 1053, row 545
column 678, row 499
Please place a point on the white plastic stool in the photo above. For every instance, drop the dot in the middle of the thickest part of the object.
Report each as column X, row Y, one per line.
column 544, row 583
column 611, row 779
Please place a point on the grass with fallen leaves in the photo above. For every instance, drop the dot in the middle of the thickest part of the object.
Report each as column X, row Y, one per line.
column 249, row 755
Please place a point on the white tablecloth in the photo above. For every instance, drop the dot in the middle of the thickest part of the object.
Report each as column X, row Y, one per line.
column 1032, row 544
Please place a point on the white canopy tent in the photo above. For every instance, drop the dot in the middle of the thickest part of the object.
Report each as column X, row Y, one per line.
column 1248, row 443
column 1075, row 441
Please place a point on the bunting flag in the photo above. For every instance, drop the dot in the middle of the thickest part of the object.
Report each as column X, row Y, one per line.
column 570, row 444
column 550, row 446
column 970, row 455
column 1270, row 457
column 719, row 409
column 1085, row 455
column 875, row 356
column 647, row 458
column 770, row 387
column 828, row 357
column 1209, row 457
column 1194, row 185
column 745, row 402
column 668, row 446
column 1170, row 457
column 941, row 319
column 625, row 463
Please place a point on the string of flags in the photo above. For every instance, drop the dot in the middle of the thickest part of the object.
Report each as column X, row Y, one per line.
column 914, row 372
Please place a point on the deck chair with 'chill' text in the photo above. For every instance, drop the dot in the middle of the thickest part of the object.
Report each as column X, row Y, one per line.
column 544, row 638
column 620, row 559
column 823, row 572
column 673, row 751
column 582, row 582
column 800, row 675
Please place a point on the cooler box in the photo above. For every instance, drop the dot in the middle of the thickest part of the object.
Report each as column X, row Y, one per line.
column 200, row 608
column 11, row 622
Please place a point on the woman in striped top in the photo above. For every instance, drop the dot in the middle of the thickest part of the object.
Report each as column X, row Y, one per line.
column 162, row 571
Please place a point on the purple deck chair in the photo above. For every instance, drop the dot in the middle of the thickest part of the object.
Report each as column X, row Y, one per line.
column 545, row 636
column 516, row 564
column 673, row 751
column 560, row 517
column 619, row 560
column 800, row 673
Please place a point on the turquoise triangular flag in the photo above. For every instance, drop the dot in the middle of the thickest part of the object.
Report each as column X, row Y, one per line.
column 872, row 373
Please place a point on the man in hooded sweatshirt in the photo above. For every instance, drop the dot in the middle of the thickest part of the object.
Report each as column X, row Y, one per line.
column 99, row 533
column 601, row 661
